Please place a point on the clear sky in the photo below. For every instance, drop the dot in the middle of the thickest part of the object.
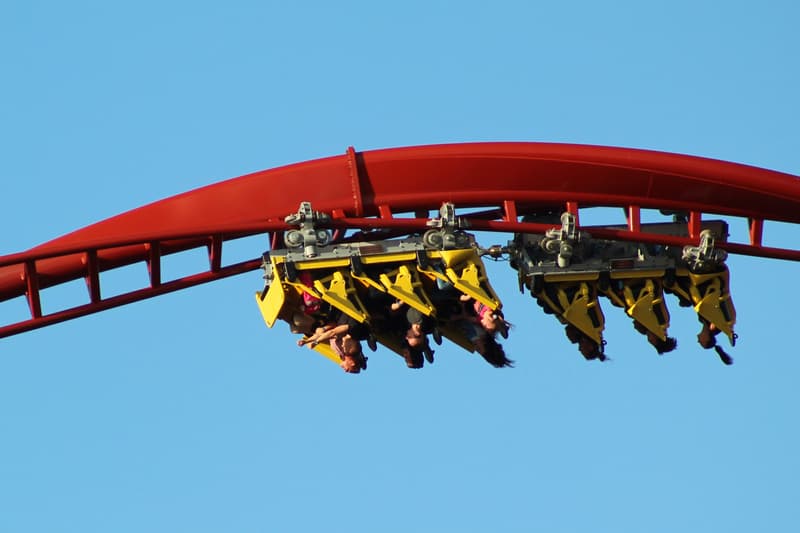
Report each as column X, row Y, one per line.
column 184, row 413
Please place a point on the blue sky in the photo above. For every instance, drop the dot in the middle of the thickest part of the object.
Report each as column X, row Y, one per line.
column 184, row 413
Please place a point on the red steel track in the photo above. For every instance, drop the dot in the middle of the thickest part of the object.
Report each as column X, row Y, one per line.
column 498, row 182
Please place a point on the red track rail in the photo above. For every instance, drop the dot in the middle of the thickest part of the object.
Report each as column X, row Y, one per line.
column 365, row 190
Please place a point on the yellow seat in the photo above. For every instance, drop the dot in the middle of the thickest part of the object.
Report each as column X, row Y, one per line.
column 710, row 296
column 577, row 304
column 271, row 306
column 643, row 300
column 404, row 284
column 337, row 289
column 466, row 272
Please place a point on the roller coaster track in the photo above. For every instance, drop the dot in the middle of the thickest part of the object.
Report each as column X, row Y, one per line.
column 392, row 191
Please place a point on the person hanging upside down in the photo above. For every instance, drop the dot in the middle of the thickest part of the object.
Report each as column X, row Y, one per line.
column 416, row 334
column 707, row 338
column 661, row 346
column 588, row 347
column 344, row 337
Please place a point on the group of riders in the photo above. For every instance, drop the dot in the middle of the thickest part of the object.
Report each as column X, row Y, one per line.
column 401, row 326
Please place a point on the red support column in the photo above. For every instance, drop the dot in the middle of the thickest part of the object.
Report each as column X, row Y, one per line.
column 756, row 231
column 572, row 207
column 384, row 211
column 634, row 218
column 275, row 240
column 695, row 220
column 92, row 275
column 32, row 292
column 510, row 208
column 215, row 252
column 154, row 263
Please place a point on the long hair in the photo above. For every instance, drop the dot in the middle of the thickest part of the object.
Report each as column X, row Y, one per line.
column 494, row 354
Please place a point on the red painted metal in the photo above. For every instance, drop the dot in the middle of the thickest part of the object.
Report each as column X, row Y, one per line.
column 368, row 190
column 756, row 231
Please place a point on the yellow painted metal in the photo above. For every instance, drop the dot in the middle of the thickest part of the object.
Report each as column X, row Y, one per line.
column 583, row 311
column 577, row 304
column 301, row 287
column 433, row 274
column 401, row 282
column 572, row 276
column 642, row 303
column 404, row 284
column 367, row 281
column 713, row 301
column 615, row 298
column 453, row 258
column 272, row 304
column 326, row 351
column 321, row 264
column 392, row 258
column 637, row 274
column 340, row 293
column 465, row 270
column 643, row 300
column 710, row 296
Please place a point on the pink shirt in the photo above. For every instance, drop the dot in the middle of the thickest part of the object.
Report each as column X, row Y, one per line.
column 481, row 309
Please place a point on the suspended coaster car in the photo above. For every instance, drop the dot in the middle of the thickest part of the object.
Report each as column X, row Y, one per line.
column 432, row 274
column 566, row 271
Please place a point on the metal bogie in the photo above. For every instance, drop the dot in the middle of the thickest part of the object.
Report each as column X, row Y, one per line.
column 588, row 255
column 562, row 242
column 705, row 257
column 340, row 253
column 566, row 249
column 448, row 234
column 307, row 237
